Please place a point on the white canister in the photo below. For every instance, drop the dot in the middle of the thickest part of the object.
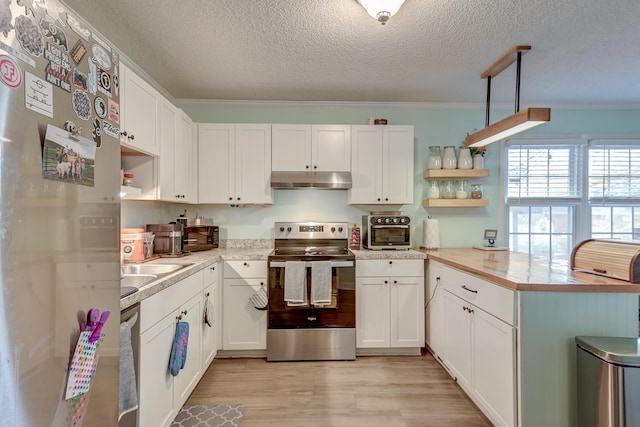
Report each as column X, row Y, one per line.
column 449, row 158
column 433, row 191
column 464, row 158
column 478, row 161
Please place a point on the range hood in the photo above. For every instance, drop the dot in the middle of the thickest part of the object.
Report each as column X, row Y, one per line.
column 293, row 180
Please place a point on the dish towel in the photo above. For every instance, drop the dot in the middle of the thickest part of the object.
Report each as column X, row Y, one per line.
column 295, row 281
column 128, row 397
column 208, row 313
column 321, row 282
column 179, row 348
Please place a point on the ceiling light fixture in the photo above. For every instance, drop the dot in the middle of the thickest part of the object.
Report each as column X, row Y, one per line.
column 381, row 10
column 520, row 120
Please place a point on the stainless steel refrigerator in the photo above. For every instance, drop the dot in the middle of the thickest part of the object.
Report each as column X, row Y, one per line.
column 60, row 214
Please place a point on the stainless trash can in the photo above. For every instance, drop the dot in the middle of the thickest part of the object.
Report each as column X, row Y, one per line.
column 608, row 381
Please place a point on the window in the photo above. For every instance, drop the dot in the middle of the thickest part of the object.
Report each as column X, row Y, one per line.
column 560, row 192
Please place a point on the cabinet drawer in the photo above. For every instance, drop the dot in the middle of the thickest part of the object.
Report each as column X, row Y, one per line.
column 157, row 306
column 390, row 267
column 492, row 298
column 210, row 274
column 244, row 269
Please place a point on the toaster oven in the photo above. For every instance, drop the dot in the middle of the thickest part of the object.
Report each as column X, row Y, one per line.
column 386, row 231
column 201, row 237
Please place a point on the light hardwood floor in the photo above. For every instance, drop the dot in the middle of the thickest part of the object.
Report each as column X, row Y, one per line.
column 407, row 391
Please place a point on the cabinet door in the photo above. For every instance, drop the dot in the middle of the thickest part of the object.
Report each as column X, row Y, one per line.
column 253, row 164
column 372, row 312
column 406, row 303
column 366, row 164
column 209, row 335
column 331, row 148
column 156, row 400
column 139, row 104
column 244, row 327
column 216, row 157
column 290, row 147
column 494, row 366
column 188, row 378
column 397, row 166
column 184, row 170
column 457, row 338
column 168, row 114
column 435, row 310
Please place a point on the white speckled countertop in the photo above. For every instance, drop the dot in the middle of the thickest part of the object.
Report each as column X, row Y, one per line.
column 238, row 250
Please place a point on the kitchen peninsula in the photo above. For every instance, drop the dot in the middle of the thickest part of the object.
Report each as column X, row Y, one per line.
column 503, row 324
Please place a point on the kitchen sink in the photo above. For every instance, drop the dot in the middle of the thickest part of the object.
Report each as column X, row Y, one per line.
column 138, row 275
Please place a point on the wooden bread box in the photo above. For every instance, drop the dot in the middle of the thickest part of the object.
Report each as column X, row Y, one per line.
column 618, row 259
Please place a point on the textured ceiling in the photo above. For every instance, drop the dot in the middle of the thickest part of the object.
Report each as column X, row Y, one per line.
column 584, row 51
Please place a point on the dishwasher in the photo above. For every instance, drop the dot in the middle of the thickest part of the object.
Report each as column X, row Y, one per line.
column 130, row 418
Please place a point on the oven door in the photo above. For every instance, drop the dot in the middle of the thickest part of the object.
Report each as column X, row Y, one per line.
column 389, row 236
column 339, row 314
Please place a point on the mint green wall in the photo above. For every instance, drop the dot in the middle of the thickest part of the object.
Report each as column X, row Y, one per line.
column 432, row 126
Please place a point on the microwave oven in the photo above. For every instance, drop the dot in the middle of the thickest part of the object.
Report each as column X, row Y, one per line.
column 201, row 237
column 386, row 232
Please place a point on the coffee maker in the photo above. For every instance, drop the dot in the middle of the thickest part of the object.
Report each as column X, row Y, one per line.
column 168, row 241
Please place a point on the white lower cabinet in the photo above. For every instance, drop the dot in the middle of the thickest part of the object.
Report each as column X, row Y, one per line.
column 390, row 303
column 161, row 395
column 243, row 326
column 479, row 340
column 211, row 333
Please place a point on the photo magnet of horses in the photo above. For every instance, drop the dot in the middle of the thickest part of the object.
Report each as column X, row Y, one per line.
column 68, row 158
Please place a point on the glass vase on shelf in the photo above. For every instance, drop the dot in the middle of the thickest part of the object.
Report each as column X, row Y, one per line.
column 476, row 191
column 462, row 190
column 434, row 161
column 433, row 190
column 449, row 158
column 447, row 191
column 464, row 158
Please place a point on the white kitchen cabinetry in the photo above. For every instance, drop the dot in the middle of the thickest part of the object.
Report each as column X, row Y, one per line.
column 234, row 163
column 479, row 342
column 139, row 106
column 211, row 334
column 381, row 165
column 161, row 395
column 390, row 303
column 434, row 313
column 176, row 146
column 243, row 326
column 311, row 148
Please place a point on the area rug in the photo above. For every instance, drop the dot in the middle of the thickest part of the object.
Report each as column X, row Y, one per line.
column 209, row 416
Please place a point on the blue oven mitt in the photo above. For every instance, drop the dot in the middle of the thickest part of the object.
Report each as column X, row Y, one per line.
column 179, row 348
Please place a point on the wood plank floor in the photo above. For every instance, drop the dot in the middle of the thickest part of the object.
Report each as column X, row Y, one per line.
column 407, row 391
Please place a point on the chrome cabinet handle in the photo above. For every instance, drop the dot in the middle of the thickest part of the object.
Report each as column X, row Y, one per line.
column 468, row 289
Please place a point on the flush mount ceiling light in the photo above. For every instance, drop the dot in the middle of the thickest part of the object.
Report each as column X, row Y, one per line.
column 520, row 120
column 381, row 10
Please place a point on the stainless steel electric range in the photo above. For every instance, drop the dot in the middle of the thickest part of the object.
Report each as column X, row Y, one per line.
column 310, row 257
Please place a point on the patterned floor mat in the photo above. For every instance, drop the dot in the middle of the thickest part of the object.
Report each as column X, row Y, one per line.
column 209, row 416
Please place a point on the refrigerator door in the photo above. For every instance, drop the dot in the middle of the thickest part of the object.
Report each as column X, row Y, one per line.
column 59, row 237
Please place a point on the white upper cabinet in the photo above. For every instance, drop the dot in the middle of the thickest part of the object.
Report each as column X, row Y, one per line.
column 168, row 121
column 381, row 165
column 234, row 163
column 139, row 106
column 311, row 148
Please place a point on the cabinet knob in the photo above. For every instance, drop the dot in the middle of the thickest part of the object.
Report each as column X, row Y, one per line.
column 261, row 283
column 385, row 282
column 238, row 198
column 390, row 262
column 207, row 295
column 213, row 268
column 124, row 133
column 386, row 199
column 395, row 282
column 131, row 137
column 379, row 199
column 246, row 264
column 315, row 167
column 306, row 166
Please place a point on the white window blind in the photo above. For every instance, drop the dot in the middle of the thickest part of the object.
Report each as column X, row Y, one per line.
column 543, row 172
column 614, row 172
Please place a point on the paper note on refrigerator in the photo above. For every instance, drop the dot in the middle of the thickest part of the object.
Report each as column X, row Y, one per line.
column 83, row 365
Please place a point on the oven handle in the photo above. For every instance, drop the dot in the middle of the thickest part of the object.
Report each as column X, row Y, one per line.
column 308, row 264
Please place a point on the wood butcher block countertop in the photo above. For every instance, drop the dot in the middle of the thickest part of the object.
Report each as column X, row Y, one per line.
column 524, row 272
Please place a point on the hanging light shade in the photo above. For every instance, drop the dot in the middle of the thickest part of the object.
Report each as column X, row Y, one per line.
column 517, row 122
column 381, row 10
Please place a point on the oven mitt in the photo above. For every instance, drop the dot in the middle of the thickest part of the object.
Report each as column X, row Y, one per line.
column 179, row 348
column 208, row 313
column 259, row 299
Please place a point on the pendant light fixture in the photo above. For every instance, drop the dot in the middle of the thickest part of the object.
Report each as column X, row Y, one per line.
column 381, row 10
column 517, row 122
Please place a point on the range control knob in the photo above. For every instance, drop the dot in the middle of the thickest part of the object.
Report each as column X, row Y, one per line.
column 282, row 229
column 396, row 220
column 289, row 229
column 333, row 229
column 388, row 220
